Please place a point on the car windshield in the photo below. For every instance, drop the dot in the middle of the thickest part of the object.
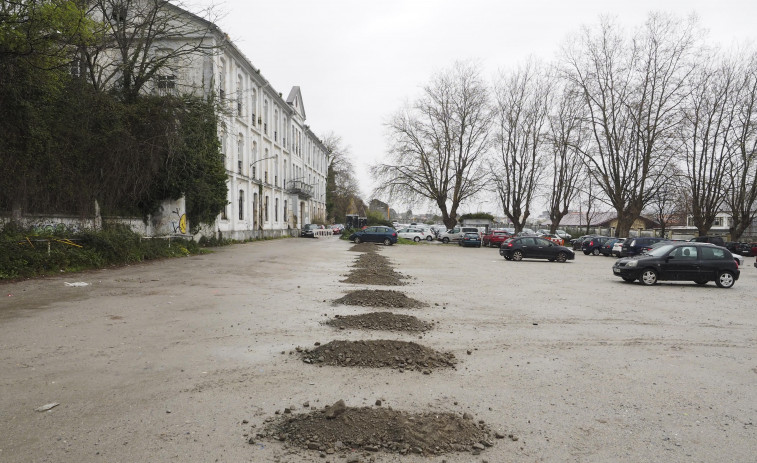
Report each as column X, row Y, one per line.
column 661, row 251
column 471, row 235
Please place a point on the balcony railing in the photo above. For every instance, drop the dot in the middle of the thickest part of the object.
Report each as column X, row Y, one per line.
column 300, row 188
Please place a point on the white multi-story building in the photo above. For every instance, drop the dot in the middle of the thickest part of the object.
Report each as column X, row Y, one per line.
column 276, row 165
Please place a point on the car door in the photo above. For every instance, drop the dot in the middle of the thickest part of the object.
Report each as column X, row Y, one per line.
column 371, row 234
column 527, row 246
column 682, row 263
column 542, row 248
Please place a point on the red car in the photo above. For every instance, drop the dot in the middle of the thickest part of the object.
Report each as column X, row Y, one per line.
column 495, row 238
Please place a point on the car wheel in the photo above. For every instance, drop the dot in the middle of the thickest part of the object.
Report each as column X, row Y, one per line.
column 429, row 238
column 586, row 253
column 648, row 277
column 628, row 279
column 562, row 257
column 479, row 245
column 725, row 279
column 595, row 251
column 417, row 239
column 517, row 256
column 700, row 282
column 445, row 240
column 357, row 240
column 387, row 242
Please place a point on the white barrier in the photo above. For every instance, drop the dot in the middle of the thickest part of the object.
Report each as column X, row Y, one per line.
column 324, row 232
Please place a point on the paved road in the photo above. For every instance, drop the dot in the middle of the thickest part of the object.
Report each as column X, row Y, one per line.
column 162, row 362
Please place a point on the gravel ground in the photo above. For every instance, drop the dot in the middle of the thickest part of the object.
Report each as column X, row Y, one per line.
column 181, row 360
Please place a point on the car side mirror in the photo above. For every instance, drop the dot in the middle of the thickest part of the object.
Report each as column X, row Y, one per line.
column 670, row 257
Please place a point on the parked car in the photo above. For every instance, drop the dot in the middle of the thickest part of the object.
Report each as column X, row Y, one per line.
column 470, row 239
column 308, row 231
column 495, row 238
column 337, row 228
column 375, row 234
column 533, row 247
column 688, row 261
column 606, row 248
column 576, row 243
column 746, row 249
column 635, row 246
column 564, row 235
column 716, row 240
column 415, row 234
column 542, row 231
column 592, row 244
column 456, row 234
column 617, row 247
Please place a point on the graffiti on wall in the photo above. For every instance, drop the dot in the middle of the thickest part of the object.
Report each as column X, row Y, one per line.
column 179, row 226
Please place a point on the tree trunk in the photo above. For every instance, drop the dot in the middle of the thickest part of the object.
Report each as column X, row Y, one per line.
column 625, row 222
column 739, row 224
column 556, row 218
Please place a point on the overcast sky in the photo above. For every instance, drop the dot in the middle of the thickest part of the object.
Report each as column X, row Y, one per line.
column 358, row 61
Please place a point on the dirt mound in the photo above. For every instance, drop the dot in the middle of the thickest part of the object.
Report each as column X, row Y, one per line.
column 364, row 247
column 379, row 298
column 400, row 355
column 381, row 276
column 371, row 260
column 386, row 321
column 338, row 428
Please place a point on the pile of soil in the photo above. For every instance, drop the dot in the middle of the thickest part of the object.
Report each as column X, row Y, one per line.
column 381, row 276
column 379, row 298
column 386, row 321
column 364, row 247
column 371, row 260
column 338, row 428
column 399, row 355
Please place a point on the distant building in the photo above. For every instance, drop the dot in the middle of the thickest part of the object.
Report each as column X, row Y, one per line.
column 607, row 223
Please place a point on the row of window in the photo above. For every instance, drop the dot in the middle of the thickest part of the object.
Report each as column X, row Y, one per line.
column 296, row 136
column 254, row 211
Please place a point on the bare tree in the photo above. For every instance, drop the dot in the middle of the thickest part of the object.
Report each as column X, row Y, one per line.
column 669, row 204
column 632, row 90
column 566, row 139
column 706, row 128
column 437, row 145
column 523, row 101
column 341, row 183
column 742, row 190
column 141, row 40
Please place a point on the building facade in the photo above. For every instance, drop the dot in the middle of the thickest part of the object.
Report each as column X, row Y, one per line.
column 276, row 165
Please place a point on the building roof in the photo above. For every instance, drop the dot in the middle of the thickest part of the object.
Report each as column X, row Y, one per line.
column 597, row 219
column 295, row 101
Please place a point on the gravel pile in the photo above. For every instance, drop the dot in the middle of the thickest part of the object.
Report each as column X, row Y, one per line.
column 379, row 298
column 340, row 429
column 400, row 355
column 385, row 321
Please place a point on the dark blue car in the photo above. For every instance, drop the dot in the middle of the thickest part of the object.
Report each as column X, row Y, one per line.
column 375, row 234
column 470, row 239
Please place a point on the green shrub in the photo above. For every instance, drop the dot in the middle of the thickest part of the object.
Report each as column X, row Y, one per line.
column 27, row 253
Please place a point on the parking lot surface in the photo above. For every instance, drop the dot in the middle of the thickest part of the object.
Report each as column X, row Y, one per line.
column 166, row 361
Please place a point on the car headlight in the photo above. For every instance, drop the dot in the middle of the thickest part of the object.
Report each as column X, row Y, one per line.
column 632, row 263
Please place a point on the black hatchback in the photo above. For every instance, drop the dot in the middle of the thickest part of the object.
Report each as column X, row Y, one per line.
column 533, row 247
column 697, row 262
